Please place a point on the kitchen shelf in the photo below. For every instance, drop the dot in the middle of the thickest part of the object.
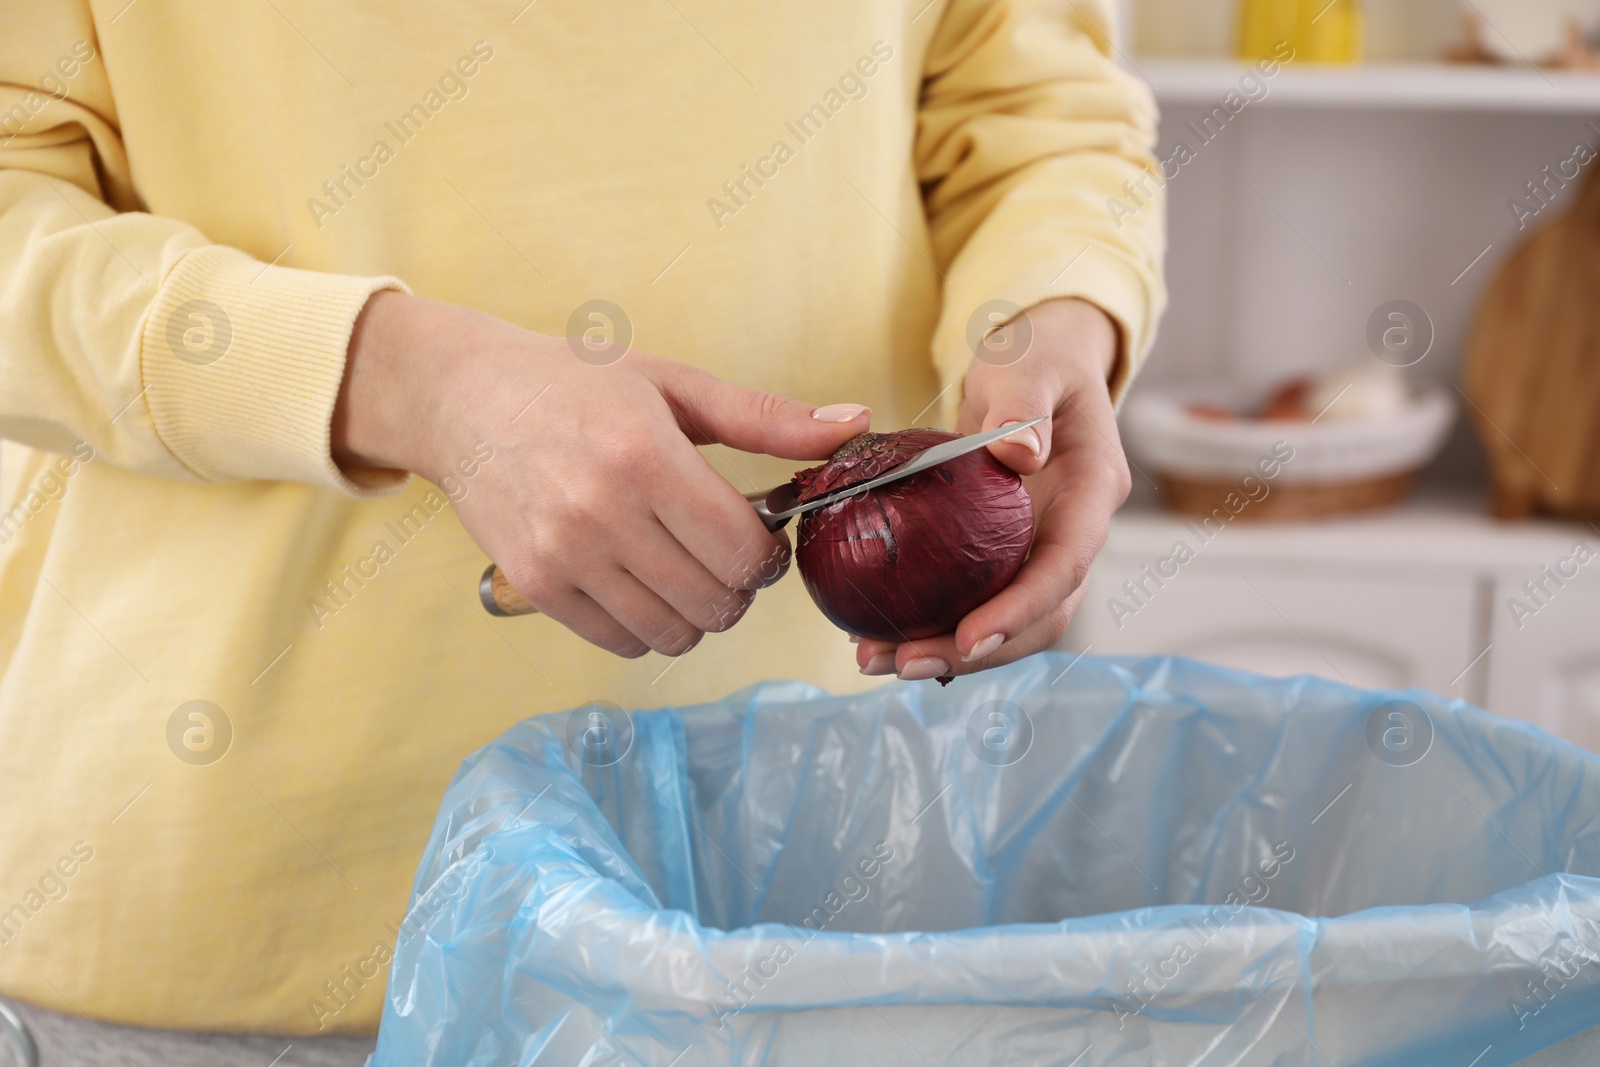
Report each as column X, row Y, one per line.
column 1413, row 87
column 1433, row 529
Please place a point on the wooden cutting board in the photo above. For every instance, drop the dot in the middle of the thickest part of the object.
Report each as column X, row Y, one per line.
column 1532, row 369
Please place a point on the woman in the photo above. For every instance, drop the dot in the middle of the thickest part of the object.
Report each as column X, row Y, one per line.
column 263, row 262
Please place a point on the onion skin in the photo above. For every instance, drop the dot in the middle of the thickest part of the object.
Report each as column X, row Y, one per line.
column 912, row 559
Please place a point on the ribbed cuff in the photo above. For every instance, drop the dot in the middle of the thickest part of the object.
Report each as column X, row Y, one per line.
column 1097, row 276
column 242, row 365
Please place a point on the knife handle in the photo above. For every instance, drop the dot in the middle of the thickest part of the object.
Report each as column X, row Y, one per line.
column 501, row 599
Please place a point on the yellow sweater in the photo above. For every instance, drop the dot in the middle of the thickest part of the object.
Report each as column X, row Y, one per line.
column 195, row 201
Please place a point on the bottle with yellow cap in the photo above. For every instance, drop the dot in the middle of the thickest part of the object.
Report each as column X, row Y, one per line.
column 1319, row 31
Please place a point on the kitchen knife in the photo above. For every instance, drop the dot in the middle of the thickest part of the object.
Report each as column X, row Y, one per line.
column 775, row 507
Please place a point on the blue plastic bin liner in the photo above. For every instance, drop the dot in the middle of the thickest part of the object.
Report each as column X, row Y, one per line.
column 1060, row 862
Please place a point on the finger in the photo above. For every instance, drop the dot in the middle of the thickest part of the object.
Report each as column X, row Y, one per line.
column 778, row 563
column 717, row 525
column 667, row 569
column 712, row 410
column 939, row 657
column 1075, row 497
column 1012, row 394
column 1071, row 529
column 579, row 613
column 648, row 617
column 876, row 658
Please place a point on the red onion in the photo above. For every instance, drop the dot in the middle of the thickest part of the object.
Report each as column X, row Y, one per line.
column 911, row 559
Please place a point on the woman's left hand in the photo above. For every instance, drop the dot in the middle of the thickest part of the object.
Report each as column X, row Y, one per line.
column 1076, row 473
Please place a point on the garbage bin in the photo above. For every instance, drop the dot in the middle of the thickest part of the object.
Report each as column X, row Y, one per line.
column 1067, row 861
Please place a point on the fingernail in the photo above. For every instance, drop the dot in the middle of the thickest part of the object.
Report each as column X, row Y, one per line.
column 854, row 640
column 1028, row 438
column 984, row 648
column 879, row 665
column 839, row 412
column 923, row 668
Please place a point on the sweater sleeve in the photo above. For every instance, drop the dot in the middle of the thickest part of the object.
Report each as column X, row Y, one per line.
column 171, row 356
column 1026, row 136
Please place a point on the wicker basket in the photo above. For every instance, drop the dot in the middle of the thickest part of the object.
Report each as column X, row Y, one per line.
column 1286, row 503
column 1337, row 468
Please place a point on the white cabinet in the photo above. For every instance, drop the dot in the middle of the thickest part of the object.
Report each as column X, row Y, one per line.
column 1360, row 627
column 1416, row 596
column 1545, row 654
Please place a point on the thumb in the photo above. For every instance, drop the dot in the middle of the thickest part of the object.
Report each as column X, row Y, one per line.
column 710, row 410
column 1007, row 398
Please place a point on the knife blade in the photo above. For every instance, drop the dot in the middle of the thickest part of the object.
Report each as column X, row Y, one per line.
column 778, row 506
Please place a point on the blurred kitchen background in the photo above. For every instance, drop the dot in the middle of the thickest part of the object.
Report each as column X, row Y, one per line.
column 1351, row 273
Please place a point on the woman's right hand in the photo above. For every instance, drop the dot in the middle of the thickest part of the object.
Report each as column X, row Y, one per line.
column 596, row 504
